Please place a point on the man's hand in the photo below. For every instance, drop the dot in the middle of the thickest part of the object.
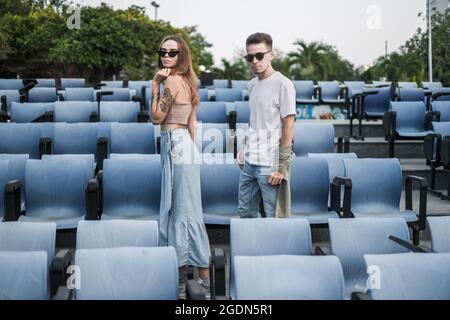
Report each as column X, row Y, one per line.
column 240, row 158
column 275, row 178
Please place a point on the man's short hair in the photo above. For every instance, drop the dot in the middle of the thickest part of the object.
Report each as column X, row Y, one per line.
column 258, row 38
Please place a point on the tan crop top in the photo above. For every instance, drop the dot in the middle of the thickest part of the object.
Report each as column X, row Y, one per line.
column 179, row 113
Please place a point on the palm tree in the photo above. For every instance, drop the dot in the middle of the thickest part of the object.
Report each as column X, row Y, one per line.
column 308, row 61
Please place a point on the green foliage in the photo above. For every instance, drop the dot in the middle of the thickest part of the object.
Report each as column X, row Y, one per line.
column 411, row 62
column 35, row 41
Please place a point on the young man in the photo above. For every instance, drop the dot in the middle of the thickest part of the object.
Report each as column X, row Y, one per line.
column 265, row 159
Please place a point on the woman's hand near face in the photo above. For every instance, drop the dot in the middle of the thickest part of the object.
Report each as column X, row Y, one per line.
column 161, row 76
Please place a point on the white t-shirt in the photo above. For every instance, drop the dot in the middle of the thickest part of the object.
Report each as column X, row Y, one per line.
column 270, row 100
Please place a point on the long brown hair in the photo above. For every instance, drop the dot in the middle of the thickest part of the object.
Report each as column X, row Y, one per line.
column 184, row 66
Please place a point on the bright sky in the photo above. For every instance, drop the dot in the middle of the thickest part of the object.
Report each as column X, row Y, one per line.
column 357, row 28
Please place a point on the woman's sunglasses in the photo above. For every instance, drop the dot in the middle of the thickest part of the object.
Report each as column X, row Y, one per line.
column 259, row 56
column 172, row 54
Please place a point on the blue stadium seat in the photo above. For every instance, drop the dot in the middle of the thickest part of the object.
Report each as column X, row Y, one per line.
column 131, row 189
column 24, row 275
column 152, row 274
column 219, row 200
column 305, row 92
column 116, row 233
column 46, row 83
column 411, row 94
column 242, row 112
column 331, row 93
column 212, row 112
column 410, row 276
column 228, row 95
column 444, row 109
column 239, row 84
column 440, row 94
column 351, row 239
column 134, row 156
column 310, row 189
column 138, row 86
column 382, row 83
column 29, row 236
column 313, row 138
column 335, row 165
column 376, row 187
column 203, row 94
column 44, row 94
column 212, row 137
column 21, row 138
column 72, row 83
column 370, row 104
column 288, row 278
column 32, row 112
column 440, row 233
column 79, row 94
column 132, row 138
column 265, row 237
column 87, row 157
column 75, row 138
column 11, row 84
column 76, row 111
column 113, row 84
column 408, row 85
column 429, row 85
column 220, row 84
column 354, row 87
column 406, row 121
column 55, row 191
column 117, row 94
column 118, row 111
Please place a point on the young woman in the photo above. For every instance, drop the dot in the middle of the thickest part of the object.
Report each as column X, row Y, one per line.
column 181, row 215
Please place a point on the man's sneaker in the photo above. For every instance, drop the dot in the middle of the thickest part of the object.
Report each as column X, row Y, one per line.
column 206, row 288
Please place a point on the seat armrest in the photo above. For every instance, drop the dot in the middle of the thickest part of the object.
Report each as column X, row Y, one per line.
column 45, row 146
column 431, row 143
column 423, row 186
column 390, row 123
column 336, row 196
column 102, row 151
column 410, row 246
column 58, row 268
column 445, row 151
column 217, row 273
column 231, row 119
column 12, row 201
column 92, row 200
column 63, row 293
column 360, row 296
column 323, row 251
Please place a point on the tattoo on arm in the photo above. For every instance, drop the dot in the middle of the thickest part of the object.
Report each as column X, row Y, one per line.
column 166, row 101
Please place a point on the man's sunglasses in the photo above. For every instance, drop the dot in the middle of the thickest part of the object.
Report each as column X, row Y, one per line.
column 172, row 54
column 259, row 56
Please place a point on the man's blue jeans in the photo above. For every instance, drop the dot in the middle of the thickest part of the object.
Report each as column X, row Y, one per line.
column 252, row 185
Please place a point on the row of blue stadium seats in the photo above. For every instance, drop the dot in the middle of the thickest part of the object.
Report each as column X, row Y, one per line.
column 129, row 186
column 86, row 111
column 269, row 259
column 41, row 94
column 217, row 83
column 272, row 259
column 104, row 138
